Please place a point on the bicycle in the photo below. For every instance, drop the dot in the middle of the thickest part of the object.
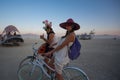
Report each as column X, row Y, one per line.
column 34, row 68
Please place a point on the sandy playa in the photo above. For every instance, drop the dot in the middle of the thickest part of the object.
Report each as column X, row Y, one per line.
column 100, row 59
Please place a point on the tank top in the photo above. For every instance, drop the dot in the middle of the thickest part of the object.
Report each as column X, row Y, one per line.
column 61, row 56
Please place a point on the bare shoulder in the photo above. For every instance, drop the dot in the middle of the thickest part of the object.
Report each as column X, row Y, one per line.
column 72, row 34
column 51, row 35
column 71, row 37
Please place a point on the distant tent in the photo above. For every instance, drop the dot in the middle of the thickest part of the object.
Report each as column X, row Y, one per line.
column 10, row 28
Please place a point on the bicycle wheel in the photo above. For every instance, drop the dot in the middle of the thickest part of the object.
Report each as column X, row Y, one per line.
column 73, row 73
column 29, row 72
column 25, row 60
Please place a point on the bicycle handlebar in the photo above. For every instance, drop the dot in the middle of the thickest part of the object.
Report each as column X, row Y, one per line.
column 35, row 49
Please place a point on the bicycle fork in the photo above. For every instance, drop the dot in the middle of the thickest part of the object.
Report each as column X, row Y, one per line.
column 33, row 68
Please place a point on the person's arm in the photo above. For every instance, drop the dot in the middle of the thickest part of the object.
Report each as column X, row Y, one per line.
column 53, row 44
column 42, row 37
column 69, row 38
column 51, row 37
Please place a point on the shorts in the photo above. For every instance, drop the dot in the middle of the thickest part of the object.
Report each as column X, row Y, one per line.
column 58, row 68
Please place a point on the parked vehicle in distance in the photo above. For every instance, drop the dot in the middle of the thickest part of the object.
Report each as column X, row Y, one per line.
column 11, row 36
column 86, row 36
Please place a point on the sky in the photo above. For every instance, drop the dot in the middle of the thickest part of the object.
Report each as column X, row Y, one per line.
column 103, row 16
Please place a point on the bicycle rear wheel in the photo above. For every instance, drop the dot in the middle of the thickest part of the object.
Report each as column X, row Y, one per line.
column 73, row 73
column 29, row 72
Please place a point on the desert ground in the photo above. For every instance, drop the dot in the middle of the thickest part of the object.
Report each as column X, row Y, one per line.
column 99, row 59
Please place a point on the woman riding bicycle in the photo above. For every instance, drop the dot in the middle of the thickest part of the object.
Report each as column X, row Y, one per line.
column 60, row 53
column 50, row 41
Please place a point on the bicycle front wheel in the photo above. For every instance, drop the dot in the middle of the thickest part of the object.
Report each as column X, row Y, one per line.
column 25, row 60
column 29, row 72
column 73, row 73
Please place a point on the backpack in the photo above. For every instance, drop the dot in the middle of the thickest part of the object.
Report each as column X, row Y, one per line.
column 74, row 50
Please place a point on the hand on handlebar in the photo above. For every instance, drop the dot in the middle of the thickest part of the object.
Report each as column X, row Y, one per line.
column 48, row 54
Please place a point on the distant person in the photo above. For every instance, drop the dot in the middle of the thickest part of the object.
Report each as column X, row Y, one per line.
column 9, row 34
column 1, row 38
column 61, row 51
column 14, row 33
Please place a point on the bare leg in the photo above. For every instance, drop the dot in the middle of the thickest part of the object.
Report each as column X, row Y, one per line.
column 59, row 76
column 47, row 62
column 51, row 65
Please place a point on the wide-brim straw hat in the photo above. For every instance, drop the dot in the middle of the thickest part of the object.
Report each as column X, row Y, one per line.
column 70, row 22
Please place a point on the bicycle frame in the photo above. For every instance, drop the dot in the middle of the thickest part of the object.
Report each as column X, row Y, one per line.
column 40, row 63
column 37, row 60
